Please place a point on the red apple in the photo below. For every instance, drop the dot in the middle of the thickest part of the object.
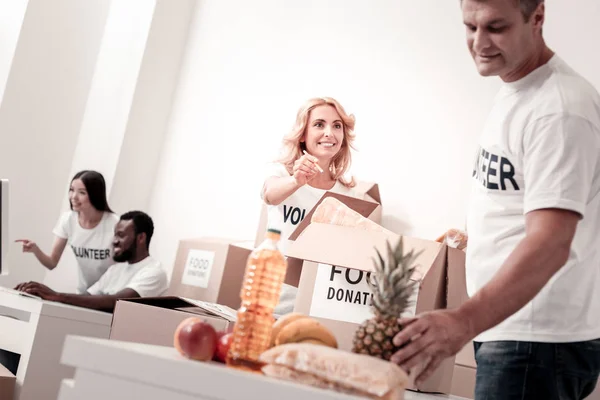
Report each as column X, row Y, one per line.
column 196, row 339
column 223, row 347
column 181, row 325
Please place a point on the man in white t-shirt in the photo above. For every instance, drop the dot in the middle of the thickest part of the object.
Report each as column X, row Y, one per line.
column 136, row 273
column 533, row 258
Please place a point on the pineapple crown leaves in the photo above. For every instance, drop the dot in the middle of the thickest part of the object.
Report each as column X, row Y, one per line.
column 393, row 287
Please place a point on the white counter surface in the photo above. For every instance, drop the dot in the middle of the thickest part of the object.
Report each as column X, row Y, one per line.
column 117, row 370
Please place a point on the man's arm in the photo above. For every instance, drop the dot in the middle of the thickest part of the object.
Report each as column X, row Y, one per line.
column 440, row 334
column 544, row 250
column 97, row 302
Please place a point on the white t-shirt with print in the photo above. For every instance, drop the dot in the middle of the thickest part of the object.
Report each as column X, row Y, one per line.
column 92, row 248
column 146, row 277
column 540, row 149
column 286, row 217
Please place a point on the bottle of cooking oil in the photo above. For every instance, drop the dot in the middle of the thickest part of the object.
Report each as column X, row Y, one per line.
column 261, row 287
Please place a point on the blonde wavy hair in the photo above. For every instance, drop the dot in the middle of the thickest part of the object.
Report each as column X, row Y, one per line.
column 293, row 147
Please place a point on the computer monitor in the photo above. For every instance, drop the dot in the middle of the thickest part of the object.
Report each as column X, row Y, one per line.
column 3, row 225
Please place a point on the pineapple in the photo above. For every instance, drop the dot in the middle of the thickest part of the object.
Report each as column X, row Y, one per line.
column 391, row 295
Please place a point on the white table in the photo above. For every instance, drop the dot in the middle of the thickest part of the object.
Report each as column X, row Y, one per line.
column 36, row 329
column 115, row 370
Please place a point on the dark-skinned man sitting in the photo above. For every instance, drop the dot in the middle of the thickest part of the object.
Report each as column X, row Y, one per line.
column 136, row 274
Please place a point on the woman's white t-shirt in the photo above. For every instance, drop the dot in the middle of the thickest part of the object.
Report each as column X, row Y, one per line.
column 287, row 215
column 92, row 247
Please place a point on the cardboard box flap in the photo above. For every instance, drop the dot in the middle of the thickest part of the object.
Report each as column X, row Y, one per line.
column 435, row 285
column 182, row 303
column 370, row 189
column 374, row 193
column 363, row 207
column 457, row 280
column 429, row 254
column 216, row 309
column 355, row 248
column 340, row 245
column 170, row 302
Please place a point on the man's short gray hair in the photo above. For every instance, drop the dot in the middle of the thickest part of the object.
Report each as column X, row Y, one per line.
column 527, row 6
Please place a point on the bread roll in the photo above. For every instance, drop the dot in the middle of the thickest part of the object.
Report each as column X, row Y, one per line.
column 335, row 369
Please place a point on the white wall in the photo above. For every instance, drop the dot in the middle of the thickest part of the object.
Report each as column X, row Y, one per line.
column 151, row 106
column 572, row 30
column 107, row 109
column 40, row 116
column 12, row 13
column 401, row 66
column 128, row 106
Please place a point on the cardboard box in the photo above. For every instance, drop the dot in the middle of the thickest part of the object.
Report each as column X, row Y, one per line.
column 210, row 269
column 465, row 370
column 153, row 320
column 368, row 191
column 463, row 380
column 368, row 206
column 7, row 383
column 333, row 285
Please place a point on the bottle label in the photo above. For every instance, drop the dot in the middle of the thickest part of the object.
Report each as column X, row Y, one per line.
column 197, row 268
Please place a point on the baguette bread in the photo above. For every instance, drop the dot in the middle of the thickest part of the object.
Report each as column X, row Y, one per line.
column 330, row 368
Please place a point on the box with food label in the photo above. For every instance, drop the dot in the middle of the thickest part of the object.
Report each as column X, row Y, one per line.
column 210, row 269
column 345, row 255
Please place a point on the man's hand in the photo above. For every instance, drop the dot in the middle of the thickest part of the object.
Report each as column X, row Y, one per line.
column 435, row 336
column 37, row 289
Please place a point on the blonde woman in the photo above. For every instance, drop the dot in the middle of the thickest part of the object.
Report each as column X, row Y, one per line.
column 316, row 158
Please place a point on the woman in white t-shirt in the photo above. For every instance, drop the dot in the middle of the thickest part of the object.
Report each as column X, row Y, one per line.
column 320, row 141
column 88, row 229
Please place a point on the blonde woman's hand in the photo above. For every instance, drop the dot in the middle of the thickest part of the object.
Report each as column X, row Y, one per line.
column 29, row 246
column 304, row 169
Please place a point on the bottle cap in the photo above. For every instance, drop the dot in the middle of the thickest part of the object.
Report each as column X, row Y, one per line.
column 277, row 231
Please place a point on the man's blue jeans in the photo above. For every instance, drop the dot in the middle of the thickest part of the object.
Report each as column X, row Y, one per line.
column 509, row 370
